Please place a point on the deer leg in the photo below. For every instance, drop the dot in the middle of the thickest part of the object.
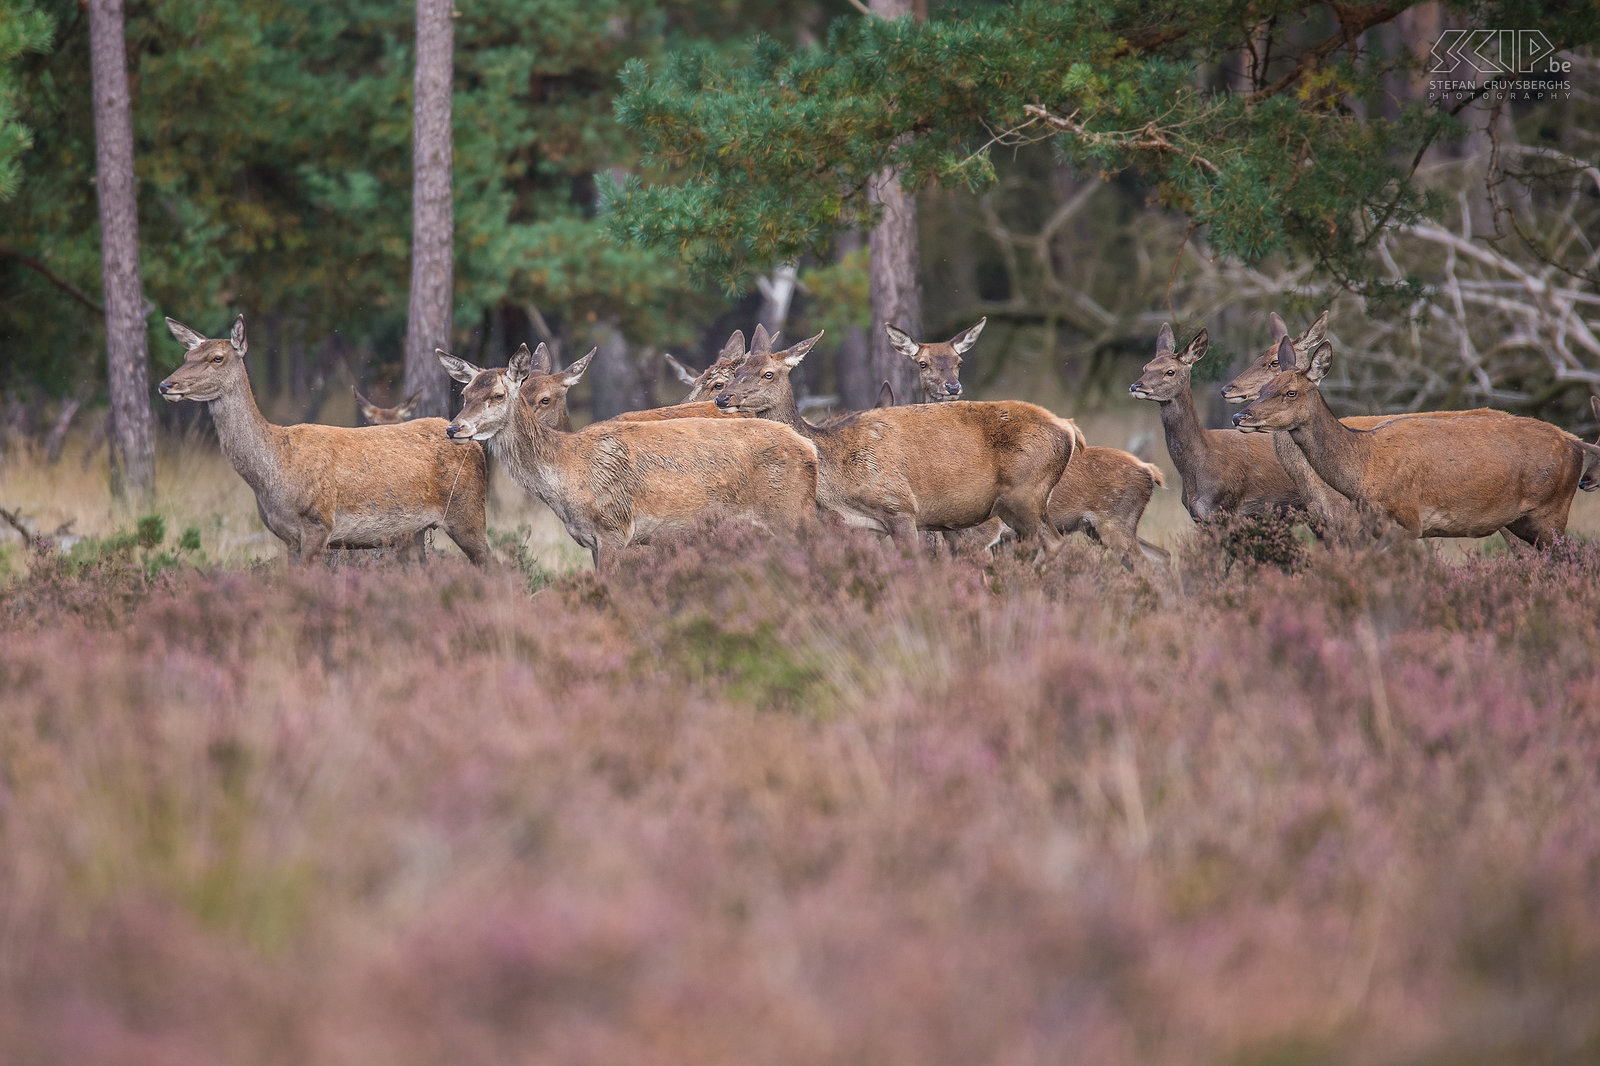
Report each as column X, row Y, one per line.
column 473, row 541
column 903, row 530
column 1027, row 519
column 313, row 543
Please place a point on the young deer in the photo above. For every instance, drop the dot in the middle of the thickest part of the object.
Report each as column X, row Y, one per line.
column 1102, row 493
column 703, row 387
column 1323, row 501
column 618, row 483
column 386, row 416
column 1468, row 476
column 942, row 467
column 938, row 364
column 1223, row 472
column 322, row 486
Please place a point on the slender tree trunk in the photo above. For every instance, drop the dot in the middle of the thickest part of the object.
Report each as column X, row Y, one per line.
column 432, row 218
column 858, row 390
column 127, row 357
column 896, row 297
column 613, row 379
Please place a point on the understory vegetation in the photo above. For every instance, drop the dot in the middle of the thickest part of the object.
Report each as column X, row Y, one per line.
column 739, row 802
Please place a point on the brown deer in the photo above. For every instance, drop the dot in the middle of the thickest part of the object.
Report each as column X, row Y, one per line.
column 1591, row 462
column 1223, row 472
column 618, row 483
column 938, row 364
column 1323, row 501
column 1469, row 476
column 322, row 486
column 386, row 416
column 1102, row 492
column 703, row 387
column 898, row 469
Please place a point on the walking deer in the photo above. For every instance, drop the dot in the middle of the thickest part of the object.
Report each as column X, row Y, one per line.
column 1468, row 476
column 386, row 416
column 1223, row 471
column 1102, row 493
column 322, row 486
column 618, row 483
column 1323, row 501
column 898, row 469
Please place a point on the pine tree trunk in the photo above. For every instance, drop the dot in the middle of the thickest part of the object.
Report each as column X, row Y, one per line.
column 127, row 356
column 432, row 218
column 895, row 295
column 613, row 379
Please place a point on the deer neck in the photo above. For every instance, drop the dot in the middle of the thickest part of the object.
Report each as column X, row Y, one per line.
column 248, row 440
column 787, row 411
column 1186, row 437
column 1335, row 451
column 528, row 449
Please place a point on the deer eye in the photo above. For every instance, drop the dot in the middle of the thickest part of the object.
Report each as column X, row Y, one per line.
column 923, row 363
column 1273, row 364
column 544, row 400
column 768, row 374
column 1171, row 372
column 218, row 358
column 1291, row 394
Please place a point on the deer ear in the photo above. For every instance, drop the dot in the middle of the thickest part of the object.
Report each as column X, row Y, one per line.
column 409, row 408
column 1288, row 355
column 735, row 346
column 459, row 369
column 761, row 340
column 1321, row 360
column 1165, row 342
column 1313, row 337
column 575, row 372
column 1594, row 403
column 962, row 342
column 683, row 373
column 185, row 336
column 1279, row 329
column 240, row 345
column 520, row 365
column 541, row 359
column 364, row 405
column 885, row 395
column 901, row 341
column 1197, row 347
column 792, row 357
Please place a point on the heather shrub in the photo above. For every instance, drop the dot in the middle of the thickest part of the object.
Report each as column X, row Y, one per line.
column 820, row 801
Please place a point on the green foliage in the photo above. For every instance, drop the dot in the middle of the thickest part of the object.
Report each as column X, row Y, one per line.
column 273, row 148
column 775, row 152
column 138, row 549
column 23, row 28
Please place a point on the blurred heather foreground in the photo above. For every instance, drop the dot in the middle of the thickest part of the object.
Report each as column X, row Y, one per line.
column 814, row 804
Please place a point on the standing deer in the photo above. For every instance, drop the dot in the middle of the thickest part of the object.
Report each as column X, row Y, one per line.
column 939, row 364
column 618, row 483
column 1324, row 502
column 1469, row 476
column 386, row 416
column 1223, row 472
column 322, row 486
column 1102, row 492
column 900, row 469
column 703, row 387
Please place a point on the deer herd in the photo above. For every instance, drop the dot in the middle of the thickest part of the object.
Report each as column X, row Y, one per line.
column 738, row 447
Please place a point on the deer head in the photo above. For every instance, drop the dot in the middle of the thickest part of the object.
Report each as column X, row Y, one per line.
column 211, row 368
column 387, row 416
column 545, row 392
column 1250, row 381
column 762, row 381
column 1285, row 402
column 487, row 402
column 710, row 382
column 938, row 364
column 1166, row 377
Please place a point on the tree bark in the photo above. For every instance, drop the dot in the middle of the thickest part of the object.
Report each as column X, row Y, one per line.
column 127, row 354
column 895, row 294
column 432, row 216
column 613, row 379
